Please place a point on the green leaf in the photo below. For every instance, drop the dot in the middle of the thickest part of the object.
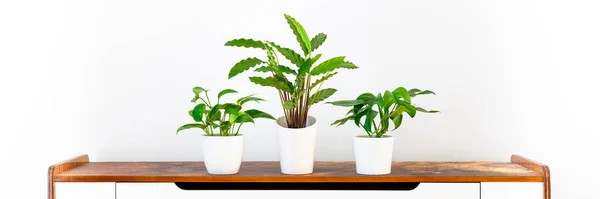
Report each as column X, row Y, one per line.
column 289, row 54
column 259, row 114
column 322, row 79
column 397, row 112
column 225, row 92
column 327, row 66
column 401, row 92
column 321, row 95
column 369, row 117
column 426, row 111
column 251, row 99
column 271, row 57
column 288, row 105
column 197, row 90
column 198, row 111
column 316, row 58
column 263, row 69
column 286, row 69
column 347, row 103
column 243, row 66
column 408, row 108
column 247, row 43
column 358, row 115
column 414, row 92
column 231, row 108
column 316, row 41
column 243, row 118
column 215, row 113
column 342, row 121
column 379, row 100
column 189, row 126
column 305, row 67
column 271, row 82
column 348, row 65
column 367, row 98
column 388, row 99
column 300, row 33
column 397, row 121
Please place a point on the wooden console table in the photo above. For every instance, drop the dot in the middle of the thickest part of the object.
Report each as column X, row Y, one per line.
column 79, row 178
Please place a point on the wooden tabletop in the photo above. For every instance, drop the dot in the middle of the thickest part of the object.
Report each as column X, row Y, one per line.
column 323, row 172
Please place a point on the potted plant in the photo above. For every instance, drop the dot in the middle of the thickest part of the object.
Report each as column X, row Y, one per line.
column 377, row 115
column 221, row 123
column 297, row 88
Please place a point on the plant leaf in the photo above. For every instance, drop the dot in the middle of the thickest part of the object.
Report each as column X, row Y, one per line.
column 322, row 79
column 225, row 92
column 300, row 33
column 248, row 98
column 243, row 118
column 288, row 105
column 379, row 100
column 414, row 92
column 305, row 67
column 286, row 69
column 327, row 66
column 346, row 103
column 198, row 111
column 247, row 43
column 289, row 54
column 321, row 95
column 397, row 112
column 197, row 90
column 426, row 111
column 215, row 113
column 232, row 109
column 259, row 114
column 408, row 108
column 244, row 65
column 369, row 117
column 316, row 58
column 272, row 82
column 388, row 99
column 263, row 69
column 189, row 126
column 348, row 65
column 401, row 92
column 316, row 41
column 342, row 121
column 397, row 121
column 367, row 98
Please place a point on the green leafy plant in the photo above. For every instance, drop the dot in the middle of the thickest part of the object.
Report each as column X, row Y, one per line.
column 296, row 90
column 222, row 119
column 390, row 108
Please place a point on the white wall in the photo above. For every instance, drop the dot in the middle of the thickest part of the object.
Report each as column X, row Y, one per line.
column 113, row 79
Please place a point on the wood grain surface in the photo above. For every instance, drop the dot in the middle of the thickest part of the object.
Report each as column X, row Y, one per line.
column 62, row 167
column 323, row 172
column 537, row 167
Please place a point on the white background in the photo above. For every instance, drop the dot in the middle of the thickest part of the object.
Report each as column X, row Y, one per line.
column 113, row 79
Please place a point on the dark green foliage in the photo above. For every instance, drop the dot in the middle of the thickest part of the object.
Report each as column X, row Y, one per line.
column 389, row 107
column 227, row 118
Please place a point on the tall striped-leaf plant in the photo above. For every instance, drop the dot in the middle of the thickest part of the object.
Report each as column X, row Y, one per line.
column 221, row 119
column 296, row 89
column 382, row 113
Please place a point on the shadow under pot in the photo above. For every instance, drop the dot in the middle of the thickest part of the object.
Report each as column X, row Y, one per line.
column 297, row 147
column 223, row 154
column 373, row 155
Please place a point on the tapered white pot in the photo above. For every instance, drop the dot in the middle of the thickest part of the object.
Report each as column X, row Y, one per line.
column 373, row 155
column 297, row 147
column 223, row 154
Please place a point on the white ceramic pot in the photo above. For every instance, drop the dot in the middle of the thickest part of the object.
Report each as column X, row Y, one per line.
column 373, row 155
column 297, row 147
column 223, row 154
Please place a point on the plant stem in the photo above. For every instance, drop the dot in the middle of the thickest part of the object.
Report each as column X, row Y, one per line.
column 238, row 130
column 206, row 94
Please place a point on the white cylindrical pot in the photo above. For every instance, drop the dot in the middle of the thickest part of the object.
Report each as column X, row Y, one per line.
column 223, row 154
column 373, row 155
column 297, row 147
